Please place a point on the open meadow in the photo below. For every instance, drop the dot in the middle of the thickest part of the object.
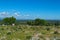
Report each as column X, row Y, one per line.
column 27, row 32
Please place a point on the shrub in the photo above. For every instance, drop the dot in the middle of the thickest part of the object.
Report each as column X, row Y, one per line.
column 9, row 33
column 2, row 28
column 55, row 32
column 47, row 29
column 28, row 37
column 37, row 21
column 30, row 22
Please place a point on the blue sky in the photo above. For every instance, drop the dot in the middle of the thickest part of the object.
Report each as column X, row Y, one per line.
column 30, row 9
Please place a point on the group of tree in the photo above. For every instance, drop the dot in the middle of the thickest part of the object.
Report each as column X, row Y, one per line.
column 37, row 21
column 9, row 20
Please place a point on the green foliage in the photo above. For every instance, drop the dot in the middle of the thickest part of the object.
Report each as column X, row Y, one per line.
column 37, row 21
column 9, row 33
column 28, row 37
column 40, row 22
column 30, row 22
column 2, row 28
column 55, row 32
column 9, row 20
column 47, row 29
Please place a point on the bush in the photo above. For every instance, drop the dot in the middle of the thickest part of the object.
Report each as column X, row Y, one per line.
column 47, row 29
column 9, row 33
column 37, row 21
column 2, row 28
column 55, row 32
column 30, row 22
column 28, row 37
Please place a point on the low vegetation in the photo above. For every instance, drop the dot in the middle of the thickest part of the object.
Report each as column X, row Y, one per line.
column 37, row 29
column 26, row 32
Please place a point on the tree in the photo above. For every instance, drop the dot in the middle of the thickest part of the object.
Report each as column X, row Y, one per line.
column 9, row 20
column 40, row 22
column 37, row 21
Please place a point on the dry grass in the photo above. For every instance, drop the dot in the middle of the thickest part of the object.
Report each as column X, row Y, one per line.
column 26, row 32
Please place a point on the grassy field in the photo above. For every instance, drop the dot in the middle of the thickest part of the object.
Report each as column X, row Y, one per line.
column 26, row 32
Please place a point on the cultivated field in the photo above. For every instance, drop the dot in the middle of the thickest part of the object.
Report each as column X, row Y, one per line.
column 26, row 32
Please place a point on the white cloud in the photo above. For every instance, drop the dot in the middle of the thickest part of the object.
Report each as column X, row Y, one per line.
column 4, row 14
column 17, row 14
